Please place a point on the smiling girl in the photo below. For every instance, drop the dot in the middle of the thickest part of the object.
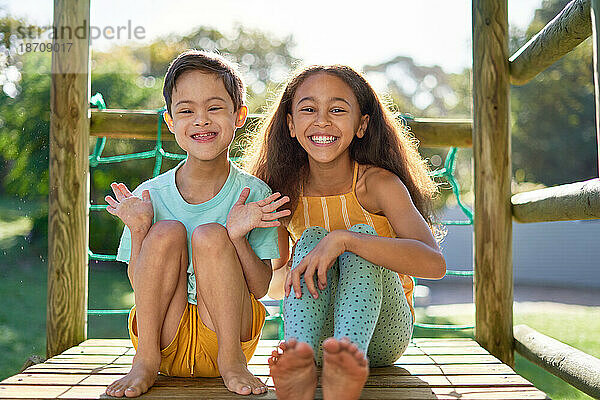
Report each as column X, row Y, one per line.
column 361, row 226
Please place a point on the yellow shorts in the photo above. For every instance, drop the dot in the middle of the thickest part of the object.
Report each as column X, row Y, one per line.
column 193, row 350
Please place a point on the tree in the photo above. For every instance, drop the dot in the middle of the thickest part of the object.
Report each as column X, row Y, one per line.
column 553, row 117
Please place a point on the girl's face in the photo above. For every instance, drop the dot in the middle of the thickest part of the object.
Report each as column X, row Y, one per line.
column 325, row 117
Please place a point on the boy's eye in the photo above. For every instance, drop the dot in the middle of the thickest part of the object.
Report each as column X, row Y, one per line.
column 307, row 109
column 184, row 111
column 337, row 110
column 215, row 108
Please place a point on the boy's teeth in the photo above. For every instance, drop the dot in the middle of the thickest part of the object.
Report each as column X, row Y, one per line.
column 202, row 135
column 323, row 139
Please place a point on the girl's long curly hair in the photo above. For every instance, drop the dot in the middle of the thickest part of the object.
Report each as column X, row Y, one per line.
column 279, row 160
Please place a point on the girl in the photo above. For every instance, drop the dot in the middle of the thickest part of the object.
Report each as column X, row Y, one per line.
column 361, row 225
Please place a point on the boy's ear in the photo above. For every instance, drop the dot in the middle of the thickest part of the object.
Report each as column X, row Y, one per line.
column 362, row 128
column 242, row 113
column 290, row 122
column 169, row 121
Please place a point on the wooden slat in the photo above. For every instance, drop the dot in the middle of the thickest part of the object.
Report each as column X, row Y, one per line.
column 142, row 125
column 433, row 368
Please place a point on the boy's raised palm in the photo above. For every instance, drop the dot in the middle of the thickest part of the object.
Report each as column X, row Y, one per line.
column 135, row 212
column 258, row 214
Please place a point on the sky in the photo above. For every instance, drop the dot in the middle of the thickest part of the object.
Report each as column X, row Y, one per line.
column 432, row 32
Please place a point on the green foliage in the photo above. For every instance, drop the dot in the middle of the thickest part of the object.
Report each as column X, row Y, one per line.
column 553, row 116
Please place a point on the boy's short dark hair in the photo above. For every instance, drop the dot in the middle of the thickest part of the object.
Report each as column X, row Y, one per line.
column 209, row 63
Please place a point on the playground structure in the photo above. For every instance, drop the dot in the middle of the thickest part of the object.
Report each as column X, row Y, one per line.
column 72, row 123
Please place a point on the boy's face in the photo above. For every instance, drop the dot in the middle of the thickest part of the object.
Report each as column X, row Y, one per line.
column 204, row 119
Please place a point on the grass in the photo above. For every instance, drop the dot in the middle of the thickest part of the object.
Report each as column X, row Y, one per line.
column 23, row 274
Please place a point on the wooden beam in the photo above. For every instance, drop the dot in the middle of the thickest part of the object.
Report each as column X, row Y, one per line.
column 66, row 321
column 142, row 124
column 595, row 19
column 561, row 35
column 491, row 156
column 571, row 365
column 575, row 201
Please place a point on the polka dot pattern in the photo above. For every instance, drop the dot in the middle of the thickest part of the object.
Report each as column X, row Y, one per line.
column 362, row 301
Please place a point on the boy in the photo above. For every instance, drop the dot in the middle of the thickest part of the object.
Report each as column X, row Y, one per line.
column 199, row 255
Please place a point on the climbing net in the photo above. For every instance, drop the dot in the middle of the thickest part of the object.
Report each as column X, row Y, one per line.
column 159, row 153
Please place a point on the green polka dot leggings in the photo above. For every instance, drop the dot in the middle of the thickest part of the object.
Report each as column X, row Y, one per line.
column 362, row 301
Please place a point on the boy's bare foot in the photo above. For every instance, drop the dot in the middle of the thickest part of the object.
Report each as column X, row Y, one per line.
column 294, row 371
column 345, row 370
column 236, row 376
column 141, row 377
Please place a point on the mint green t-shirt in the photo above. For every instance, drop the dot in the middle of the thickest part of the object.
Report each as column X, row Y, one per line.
column 168, row 204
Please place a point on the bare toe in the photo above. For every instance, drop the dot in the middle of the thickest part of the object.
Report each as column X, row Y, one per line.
column 294, row 373
column 345, row 369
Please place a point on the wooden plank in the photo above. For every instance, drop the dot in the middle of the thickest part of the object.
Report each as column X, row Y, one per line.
column 561, row 35
column 97, row 350
column 66, row 309
column 96, row 392
column 492, row 165
column 107, row 342
column 74, row 374
column 142, row 125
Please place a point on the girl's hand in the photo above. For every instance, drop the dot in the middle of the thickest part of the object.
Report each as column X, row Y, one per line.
column 259, row 214
column 319, row 260
column 137, row 213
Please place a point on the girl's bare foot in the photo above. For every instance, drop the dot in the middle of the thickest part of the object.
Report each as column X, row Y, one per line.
column 141, row 377
column 236, row 376
column 345, row 370
column 294, row 371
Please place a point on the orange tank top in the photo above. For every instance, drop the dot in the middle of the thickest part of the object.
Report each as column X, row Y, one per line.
column 342, row 212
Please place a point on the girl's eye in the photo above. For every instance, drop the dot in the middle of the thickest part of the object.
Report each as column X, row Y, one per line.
column 307, row 109
column 184, row 111
column 216, row 108
column 337, row 110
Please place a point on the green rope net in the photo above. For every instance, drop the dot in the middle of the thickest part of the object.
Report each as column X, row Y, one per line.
column 158, row 153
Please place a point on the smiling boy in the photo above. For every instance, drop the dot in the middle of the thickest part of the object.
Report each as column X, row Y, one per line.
column 198, row 240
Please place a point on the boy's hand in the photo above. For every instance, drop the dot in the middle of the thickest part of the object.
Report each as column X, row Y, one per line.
column 137, row 213
column 259, row 214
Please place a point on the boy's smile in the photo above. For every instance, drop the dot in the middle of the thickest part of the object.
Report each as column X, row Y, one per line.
column 325, row 117
column 204, row 119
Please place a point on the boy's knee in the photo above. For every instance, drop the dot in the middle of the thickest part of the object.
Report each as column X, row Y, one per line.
column 209, row 238
column 165, row 234
column 363, row 228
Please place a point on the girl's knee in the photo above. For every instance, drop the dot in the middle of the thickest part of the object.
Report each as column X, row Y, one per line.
column 363, row 228
column 313, row 232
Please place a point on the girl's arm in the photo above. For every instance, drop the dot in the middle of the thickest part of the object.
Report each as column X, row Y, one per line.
column 280, row 265
column 414, row 251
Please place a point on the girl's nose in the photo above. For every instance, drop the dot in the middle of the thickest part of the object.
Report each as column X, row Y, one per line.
column 322, row 120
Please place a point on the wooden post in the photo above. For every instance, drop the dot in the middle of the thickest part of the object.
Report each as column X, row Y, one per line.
column 492, row 172
column 595, row 14
column 66, row 322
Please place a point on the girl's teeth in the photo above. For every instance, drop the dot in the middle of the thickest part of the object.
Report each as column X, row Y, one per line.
column 323, row 139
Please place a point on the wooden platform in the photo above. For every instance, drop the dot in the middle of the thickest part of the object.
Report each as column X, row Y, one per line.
column 430, row 369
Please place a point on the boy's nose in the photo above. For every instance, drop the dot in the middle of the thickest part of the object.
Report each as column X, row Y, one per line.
column 201, row 121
